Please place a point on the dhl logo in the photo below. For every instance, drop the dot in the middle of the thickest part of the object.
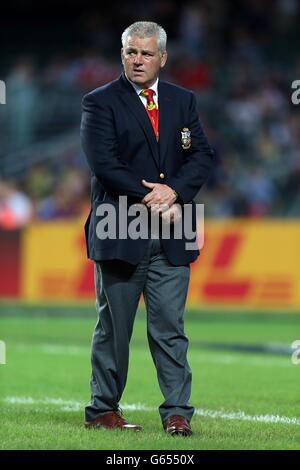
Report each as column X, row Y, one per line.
column 213, row 277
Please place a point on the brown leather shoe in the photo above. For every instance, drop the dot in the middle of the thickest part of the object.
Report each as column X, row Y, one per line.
column 112, row 420
column 177, row 425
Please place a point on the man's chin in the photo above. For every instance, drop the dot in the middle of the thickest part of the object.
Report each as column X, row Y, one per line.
column 138, row 80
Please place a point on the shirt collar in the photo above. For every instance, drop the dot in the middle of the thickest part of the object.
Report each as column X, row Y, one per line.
column 138, row 89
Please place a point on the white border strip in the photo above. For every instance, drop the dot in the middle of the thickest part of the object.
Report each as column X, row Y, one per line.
column 73, row 405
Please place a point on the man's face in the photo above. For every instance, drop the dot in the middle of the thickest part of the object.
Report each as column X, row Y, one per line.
column 142, row 60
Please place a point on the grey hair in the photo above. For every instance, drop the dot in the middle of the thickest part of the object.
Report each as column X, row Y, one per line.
column 146, row 29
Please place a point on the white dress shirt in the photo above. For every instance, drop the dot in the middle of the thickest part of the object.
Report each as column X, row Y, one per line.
column 143, row 99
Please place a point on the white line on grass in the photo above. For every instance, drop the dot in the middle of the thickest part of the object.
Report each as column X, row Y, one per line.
column 64, row 405
column 73, row 405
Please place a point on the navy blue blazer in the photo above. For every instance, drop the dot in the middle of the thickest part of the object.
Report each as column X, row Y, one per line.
column 121, row 149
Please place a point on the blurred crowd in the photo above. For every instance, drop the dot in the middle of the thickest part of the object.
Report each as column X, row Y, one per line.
column 240, row 59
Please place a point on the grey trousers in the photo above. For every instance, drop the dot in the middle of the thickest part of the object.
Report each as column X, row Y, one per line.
column 119, row 286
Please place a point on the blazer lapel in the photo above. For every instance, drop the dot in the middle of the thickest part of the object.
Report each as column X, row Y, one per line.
column 135, row 106
column 165, row 119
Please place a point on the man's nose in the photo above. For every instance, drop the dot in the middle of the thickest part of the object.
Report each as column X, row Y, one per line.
column 138, row 59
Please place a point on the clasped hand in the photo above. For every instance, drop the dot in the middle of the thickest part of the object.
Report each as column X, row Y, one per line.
column 161, row 200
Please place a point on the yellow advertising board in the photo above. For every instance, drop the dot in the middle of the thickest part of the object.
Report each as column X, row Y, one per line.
column 55, row 266
column 246, row 263
column 249, row 263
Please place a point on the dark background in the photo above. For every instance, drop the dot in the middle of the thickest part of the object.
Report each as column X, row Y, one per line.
column 239, row 57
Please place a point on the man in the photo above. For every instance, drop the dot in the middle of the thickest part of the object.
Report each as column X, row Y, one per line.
column 143, row 140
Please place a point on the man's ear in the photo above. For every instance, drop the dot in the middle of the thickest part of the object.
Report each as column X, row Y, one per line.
column 122, row 55
column 163, row 59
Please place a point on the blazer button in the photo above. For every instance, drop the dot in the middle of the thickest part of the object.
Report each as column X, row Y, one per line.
column 162, row 176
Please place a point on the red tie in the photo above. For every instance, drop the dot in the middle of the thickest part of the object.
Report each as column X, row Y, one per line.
column 151, row 109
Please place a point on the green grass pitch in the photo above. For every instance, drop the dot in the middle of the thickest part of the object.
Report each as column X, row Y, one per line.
column 243, row 399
